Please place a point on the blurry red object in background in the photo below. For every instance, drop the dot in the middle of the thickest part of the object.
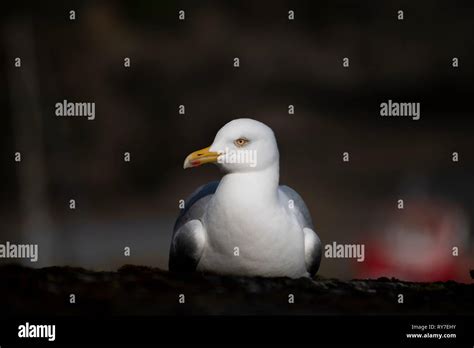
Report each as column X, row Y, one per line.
column 418, row 243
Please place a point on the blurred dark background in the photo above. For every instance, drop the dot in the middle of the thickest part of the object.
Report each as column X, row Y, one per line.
column 283, row 62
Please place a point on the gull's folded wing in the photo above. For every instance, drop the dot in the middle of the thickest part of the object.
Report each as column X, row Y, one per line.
column 312, row 242
column 188, row 237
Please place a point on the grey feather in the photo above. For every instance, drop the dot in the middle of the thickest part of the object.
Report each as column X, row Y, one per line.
column 184, row 253
column 313, row 250
column 300, row 208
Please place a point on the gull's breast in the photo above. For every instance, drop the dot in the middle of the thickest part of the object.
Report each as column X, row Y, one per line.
column 266, row 242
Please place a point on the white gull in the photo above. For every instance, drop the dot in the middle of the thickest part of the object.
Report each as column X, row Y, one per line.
column 245, row 224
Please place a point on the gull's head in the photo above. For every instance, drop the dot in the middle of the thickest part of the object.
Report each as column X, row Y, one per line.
column 242, row 145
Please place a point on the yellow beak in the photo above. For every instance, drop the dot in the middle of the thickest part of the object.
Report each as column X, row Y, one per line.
column 199, row 157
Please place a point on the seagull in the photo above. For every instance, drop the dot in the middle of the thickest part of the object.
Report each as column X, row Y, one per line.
column 245, row 224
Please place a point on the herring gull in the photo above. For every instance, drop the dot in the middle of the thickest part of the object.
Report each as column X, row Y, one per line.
column 245, row 224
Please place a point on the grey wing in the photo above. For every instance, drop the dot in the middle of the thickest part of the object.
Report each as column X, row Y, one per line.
column 300, row 208
column 187, row 240
column 312, row 242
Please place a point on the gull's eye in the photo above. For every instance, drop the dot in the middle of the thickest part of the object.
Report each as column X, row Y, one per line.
column 240, row 142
